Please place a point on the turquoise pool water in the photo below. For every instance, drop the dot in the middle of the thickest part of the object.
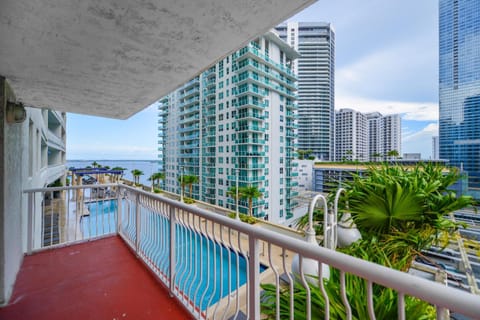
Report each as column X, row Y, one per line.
column 206, row 271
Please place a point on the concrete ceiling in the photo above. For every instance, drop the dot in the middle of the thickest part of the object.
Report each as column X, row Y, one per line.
column 113, row 58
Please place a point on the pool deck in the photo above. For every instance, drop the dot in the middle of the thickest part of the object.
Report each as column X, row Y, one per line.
column 99, row 279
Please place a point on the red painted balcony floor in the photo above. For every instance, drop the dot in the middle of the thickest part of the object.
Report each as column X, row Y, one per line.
column 101, row 279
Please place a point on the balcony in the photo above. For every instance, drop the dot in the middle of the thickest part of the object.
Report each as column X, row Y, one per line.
column 125, row 252
column 254, row 52
column 53, row 284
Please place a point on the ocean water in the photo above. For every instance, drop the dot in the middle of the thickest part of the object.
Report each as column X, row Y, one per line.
column 147, row 166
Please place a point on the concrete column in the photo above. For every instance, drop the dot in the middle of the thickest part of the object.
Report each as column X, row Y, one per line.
column 11, row 183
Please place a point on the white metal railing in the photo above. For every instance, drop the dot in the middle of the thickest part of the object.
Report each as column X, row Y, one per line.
column 213, row 264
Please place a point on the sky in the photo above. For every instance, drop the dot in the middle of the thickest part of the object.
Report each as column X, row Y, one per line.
column 386, row 60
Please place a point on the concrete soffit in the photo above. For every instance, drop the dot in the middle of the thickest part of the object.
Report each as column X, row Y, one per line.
column 113, row 58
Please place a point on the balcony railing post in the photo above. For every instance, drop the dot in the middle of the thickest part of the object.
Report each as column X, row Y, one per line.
column 253, row 278
column 172, row 249
column 119, row 209
column 137, row 223
column 30, row 237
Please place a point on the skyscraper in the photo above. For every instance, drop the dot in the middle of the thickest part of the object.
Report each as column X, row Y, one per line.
column 315, row 69
column 235, row 122
column 459, row 86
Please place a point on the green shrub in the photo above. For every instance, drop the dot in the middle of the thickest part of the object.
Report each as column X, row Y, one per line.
column 156, row 190
column 384, row 299
column 244, row 218
column 188, row 200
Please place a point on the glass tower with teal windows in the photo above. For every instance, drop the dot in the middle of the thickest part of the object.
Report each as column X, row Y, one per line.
column 235, row 124
column 459, row 87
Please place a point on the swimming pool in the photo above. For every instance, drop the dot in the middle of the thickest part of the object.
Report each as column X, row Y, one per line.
column 101, row 220
column 206, row 271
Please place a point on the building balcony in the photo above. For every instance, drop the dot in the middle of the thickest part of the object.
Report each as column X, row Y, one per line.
column 189, row 128
column 253, row 65
column 209, row 83
column 191, row 109
column 250, row 128
column 254, row 52
column 251, row 166
column 249, row 102
column 126, row 252
column 192, row 118
column 194, row 82
column 250, row 141
column 210, row 73
column 189, row 93
column 250, row 154
column 250, row 115
column 247, row 179
column 210, row 92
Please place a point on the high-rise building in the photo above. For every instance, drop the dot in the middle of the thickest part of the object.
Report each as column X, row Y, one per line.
column 384, row 136
column 315, row 69
column 459, row 86
column 435, row 148
column 235, row 122
column 351, row 135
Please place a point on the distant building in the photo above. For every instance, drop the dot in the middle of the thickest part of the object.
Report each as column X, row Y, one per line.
column 385, row 134
column 303, row 169
column 366, row 137
column 459, row 87
column 351, row 135
column 329, row 176
column 435, row 148
column 412, row 156
column 315, row 41
column 235, row 122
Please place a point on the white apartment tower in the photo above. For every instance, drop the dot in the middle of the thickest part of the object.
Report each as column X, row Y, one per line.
column 384, row 135
column 315, row 41
column 351, row 135
column 235, row 123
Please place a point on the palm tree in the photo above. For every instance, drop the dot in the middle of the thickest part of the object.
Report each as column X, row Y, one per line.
column 232, row 193
column 349, row 154
column 156, row 177
column 183, row 182
column 136, row 175
column 404, row 208
column 376, row 155
column 95, row 164
column 393, row 154
column 301, row 154
column 191, row 180
column 119, row 169
column 250, row 193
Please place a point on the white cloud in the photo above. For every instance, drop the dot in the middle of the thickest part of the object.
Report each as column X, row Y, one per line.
column 420, row 141
column 430, row 130
column 418, row 111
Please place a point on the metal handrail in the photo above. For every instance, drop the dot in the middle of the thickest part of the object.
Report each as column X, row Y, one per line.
column 405, row 284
